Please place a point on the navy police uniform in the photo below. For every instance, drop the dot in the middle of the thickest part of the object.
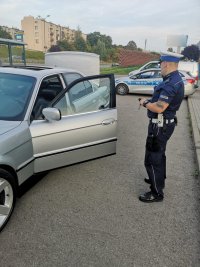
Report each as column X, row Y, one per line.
column 171, row 90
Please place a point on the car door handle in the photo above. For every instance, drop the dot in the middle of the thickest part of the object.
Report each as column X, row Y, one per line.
column 108, row 121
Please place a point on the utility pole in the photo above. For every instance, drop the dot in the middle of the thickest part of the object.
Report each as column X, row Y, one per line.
column 178, row 49
column 145, row 44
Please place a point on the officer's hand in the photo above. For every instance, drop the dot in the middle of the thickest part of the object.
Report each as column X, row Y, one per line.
column 141, row 100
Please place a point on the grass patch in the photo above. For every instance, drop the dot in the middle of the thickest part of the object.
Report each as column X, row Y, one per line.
column 34, row 55
column 31, row 55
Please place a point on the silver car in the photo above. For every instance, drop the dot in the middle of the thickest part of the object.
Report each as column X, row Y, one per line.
column 51, row 118
column 144, row 82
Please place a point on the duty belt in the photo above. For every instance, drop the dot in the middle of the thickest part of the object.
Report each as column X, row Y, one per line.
column 165, row 120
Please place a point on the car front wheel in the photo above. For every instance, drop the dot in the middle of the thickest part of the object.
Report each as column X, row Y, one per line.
column 122, row 89
column 7, row 197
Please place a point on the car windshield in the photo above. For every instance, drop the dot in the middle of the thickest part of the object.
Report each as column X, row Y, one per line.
column 15, row 92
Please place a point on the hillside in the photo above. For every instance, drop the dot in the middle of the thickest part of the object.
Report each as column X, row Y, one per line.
column 31, row 56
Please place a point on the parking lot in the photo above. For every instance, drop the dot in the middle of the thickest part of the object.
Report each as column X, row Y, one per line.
column 89, row 214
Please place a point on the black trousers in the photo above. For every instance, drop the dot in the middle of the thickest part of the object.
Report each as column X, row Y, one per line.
column 155, row 158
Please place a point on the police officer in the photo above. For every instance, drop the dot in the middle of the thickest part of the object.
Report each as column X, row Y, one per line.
column 161, row 111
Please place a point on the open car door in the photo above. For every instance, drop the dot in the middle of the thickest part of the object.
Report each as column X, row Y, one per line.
column 80, row 124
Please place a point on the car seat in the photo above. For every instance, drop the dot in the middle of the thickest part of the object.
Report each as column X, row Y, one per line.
column 43, row 100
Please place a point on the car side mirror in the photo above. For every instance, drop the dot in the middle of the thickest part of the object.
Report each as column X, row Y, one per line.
column 51, row 114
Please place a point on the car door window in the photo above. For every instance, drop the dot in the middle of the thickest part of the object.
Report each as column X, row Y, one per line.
column 157, row 74
column 80, row 90
column 70, row 77
column 50, row 87
column 152, row 66
column 145, row 75
column 86, row 96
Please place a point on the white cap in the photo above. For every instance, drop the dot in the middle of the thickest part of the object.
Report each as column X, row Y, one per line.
column 170, row 56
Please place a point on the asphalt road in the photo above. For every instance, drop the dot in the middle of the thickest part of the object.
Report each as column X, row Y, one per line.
column 89, row 215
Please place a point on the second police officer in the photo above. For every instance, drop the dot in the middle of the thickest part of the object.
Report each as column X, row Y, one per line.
column 161, row 111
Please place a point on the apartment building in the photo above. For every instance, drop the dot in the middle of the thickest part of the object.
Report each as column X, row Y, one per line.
column 39, row 34
column 16, row 34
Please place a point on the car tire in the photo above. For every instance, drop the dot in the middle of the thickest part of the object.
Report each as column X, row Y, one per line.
column 122, row 89
column 7, row 197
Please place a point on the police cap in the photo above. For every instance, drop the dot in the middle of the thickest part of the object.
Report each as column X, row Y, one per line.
column 170, row 57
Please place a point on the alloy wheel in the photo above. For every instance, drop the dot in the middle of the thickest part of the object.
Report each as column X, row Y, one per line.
column 6, row 200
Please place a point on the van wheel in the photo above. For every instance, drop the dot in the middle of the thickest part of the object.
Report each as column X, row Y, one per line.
column 122, row 89
column 7, row 197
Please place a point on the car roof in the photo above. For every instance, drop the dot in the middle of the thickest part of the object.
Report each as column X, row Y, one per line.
column 35, row 71
column 153, row 61
column 146, row 70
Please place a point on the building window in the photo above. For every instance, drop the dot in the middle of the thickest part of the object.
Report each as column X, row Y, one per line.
column 36, row 34
column 36, row 28
column 37, row 41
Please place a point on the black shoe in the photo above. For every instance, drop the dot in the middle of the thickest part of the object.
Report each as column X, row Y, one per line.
column 147, row 180
column 150, row 197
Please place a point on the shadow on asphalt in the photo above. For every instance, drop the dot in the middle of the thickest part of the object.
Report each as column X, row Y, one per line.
column 33, row 180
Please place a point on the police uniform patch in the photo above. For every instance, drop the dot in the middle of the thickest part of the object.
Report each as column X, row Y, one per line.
column 164, row 96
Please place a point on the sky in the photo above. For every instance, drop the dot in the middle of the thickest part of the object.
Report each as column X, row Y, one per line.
column 122, row 20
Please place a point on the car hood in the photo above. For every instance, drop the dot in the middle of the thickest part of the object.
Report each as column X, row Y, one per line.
column 6, row 126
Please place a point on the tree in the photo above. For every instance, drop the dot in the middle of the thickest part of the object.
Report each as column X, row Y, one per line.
column 4, row 34
column 113, row 54
column 107, row 40
column 54, row 48
column 79, row 42
column 131, row 45
column 65, row 45
column 191, row 52
column 100, row 49
column 93, row 38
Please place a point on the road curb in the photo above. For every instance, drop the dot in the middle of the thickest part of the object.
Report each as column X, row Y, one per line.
column 195, row 127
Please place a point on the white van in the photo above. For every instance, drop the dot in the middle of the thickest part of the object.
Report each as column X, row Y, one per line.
column 192, row 67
